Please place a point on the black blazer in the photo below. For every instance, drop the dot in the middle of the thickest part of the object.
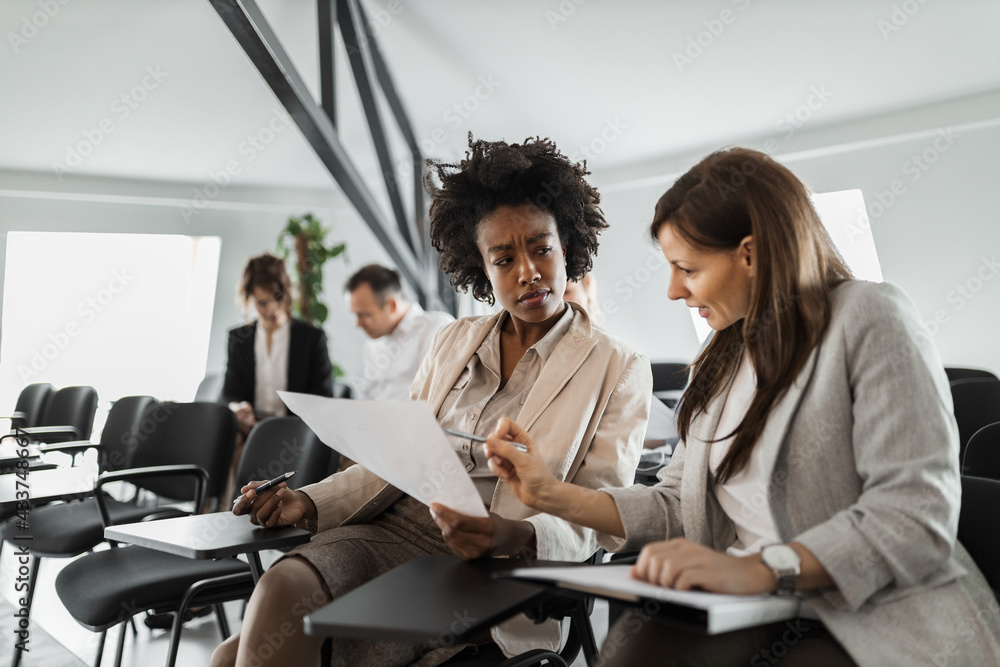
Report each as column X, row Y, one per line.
column 309, row 368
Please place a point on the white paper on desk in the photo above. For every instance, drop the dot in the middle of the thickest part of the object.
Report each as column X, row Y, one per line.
column 724, row 612
column 400, row 441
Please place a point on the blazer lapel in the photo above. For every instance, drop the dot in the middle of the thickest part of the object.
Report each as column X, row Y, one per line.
column 458, row 359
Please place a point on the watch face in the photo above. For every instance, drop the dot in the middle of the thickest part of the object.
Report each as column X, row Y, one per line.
column 781, row 557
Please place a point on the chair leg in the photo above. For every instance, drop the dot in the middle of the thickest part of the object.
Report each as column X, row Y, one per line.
column 121, row 645
column 100, row 649
column 32, row 579
column 135, row 630
column 220, row 616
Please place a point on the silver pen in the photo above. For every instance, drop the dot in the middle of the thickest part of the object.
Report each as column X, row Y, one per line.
column 478, row 438
column 267, row 485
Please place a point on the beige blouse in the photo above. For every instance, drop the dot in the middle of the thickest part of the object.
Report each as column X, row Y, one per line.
column 476, row 403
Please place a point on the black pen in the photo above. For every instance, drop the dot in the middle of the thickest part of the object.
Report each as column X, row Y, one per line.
column 478, row 438
column 267, row 485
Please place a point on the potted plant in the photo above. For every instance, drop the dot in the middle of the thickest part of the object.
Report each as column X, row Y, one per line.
column 309, row 239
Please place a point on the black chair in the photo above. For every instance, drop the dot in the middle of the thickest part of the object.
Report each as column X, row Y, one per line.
column 277, row 445
column 175, row 443
column 66, row 530
column 173, row 583
column 210, row 388
column 977, row 526
column 341, row 389
column 966, row 373
column 69, row 415
column 31, row 405
column 977, row 404
column 669, row 376
column 982, row 454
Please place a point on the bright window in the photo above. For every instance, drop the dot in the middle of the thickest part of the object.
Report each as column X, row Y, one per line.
column 125, row 313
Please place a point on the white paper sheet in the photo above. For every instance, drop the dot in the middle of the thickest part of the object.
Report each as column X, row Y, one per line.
column 400, row 441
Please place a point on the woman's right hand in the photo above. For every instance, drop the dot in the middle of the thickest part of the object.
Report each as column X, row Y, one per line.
column 277, row 506
column 524, row 472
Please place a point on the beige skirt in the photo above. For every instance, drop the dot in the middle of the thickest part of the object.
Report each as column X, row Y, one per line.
column 349, row 556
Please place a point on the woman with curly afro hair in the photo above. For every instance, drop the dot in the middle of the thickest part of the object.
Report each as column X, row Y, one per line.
column 512, row 222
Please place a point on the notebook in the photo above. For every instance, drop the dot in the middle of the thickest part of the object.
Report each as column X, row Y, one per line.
column 711, row 612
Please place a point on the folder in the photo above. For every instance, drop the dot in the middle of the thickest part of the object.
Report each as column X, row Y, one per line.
column 712, row 613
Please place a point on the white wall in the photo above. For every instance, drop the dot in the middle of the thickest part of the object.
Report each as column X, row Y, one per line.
column 248, row 222
column 940, row 236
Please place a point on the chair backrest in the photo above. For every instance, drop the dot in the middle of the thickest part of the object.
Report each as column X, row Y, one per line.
column 32, row 403
column 341, row 389
column 669, row 376
column 119, row 439
column 193, row 433
column 72, row 406
column 982, row 454
column 977, row 404
column 210, row 388
column 277, row 445
column 954, row 373
column 977, row 525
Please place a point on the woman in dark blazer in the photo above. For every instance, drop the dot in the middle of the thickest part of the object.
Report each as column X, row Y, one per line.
column 273, row 353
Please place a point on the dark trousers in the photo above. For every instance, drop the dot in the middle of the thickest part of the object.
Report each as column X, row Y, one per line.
column 641, row 639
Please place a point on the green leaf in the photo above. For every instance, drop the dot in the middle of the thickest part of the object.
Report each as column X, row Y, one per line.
column 320, row 311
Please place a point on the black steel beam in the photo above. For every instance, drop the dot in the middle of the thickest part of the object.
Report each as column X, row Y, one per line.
column 403, row 121
column 358, row 53
column 245, row 21
column 326, row 15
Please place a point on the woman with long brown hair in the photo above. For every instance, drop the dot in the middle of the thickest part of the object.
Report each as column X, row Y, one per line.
column 818, row 453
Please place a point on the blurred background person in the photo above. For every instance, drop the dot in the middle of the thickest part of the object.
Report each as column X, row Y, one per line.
column 399, row 332
column 272, row 353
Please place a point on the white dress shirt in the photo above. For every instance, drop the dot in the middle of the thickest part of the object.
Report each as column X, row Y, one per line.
column 271, row 369
column 391, row 361
column 744, row 498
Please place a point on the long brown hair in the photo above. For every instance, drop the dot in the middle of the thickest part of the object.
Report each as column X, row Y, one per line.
column 729, row 195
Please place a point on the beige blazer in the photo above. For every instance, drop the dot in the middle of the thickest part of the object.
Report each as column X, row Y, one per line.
column 863, row 453
column 586, row 414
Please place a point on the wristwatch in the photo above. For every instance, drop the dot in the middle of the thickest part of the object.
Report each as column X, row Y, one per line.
column 786, row 565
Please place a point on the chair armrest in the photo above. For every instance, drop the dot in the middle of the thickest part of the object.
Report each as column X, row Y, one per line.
column 183, row 470
column 45, row 433
column 165, row 513
column 70, row 447
column 626, row 558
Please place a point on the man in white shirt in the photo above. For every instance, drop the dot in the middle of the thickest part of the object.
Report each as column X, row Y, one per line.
column 399, row 332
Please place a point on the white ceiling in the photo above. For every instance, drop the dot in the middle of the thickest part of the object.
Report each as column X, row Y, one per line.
column 607, row 64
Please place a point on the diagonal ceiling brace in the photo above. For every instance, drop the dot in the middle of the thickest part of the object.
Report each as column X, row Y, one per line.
column 358, row 52
column 246, row 22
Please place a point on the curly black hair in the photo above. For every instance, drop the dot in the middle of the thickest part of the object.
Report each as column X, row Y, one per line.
column 495, row 174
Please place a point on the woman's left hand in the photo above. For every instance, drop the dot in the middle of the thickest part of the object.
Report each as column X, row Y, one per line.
column 477, row 537
column 684, row 565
